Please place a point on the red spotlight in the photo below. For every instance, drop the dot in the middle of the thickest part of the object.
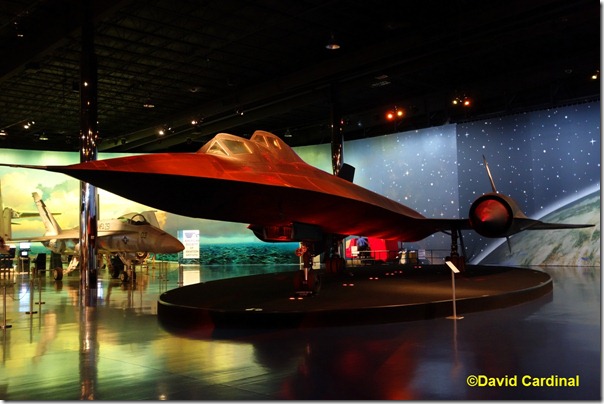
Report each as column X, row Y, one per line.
column 466, row 102
column 390, row 115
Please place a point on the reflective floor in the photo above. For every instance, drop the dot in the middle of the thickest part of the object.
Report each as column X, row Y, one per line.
column 116, row 349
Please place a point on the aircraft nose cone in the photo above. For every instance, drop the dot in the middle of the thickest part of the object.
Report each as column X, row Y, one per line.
column 173, row 245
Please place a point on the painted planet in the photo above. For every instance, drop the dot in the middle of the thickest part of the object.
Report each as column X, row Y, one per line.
column 574, row 247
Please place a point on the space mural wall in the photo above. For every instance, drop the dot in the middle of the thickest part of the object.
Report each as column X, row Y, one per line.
column 549, row 161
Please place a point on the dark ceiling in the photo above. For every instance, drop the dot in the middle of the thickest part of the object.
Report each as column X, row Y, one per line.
column 237, row 66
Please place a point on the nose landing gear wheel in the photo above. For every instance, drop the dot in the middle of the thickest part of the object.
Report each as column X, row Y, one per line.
column 57, row 274
column 124, row 277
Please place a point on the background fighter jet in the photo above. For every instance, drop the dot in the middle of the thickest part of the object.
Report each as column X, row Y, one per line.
column 263, row 182
column 131, row 236
column 7, row 216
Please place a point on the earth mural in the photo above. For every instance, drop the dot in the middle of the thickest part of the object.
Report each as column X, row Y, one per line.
column 576, row 247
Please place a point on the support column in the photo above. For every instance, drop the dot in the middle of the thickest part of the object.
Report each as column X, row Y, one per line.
column 337, row 136
column 88, row 152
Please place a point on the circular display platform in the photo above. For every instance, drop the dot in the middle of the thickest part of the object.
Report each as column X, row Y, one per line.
column 362, row 295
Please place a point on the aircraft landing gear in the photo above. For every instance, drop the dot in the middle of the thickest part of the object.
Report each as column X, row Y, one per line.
column 458, row 260
column 307, row 280
column 116, row 266
column 128, row 274
column 57, row 274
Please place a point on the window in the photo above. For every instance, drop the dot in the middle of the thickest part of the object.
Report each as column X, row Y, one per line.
column 217, row 149
column 236, row 147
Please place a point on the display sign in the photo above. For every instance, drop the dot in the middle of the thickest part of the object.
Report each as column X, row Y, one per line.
column 452, row 267
column 190, row 239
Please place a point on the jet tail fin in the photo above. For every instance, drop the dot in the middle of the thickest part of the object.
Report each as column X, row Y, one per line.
column 486, row 166
column 6, row 215
column 51, row 225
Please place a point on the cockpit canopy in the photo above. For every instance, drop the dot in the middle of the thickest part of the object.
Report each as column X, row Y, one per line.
column 261, row 144
column 133, row 218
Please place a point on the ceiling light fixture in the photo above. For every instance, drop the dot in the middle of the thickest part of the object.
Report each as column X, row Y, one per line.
column 395, row 113
column 332, row 44
column 166, row 129
column 464, row 101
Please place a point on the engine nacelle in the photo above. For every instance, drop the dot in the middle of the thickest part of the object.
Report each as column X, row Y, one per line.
column 291, row 232
column 492, row 215
column 273, row 233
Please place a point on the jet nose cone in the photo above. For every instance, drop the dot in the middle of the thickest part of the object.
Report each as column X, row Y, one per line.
column 166, row 244
column 173, row 245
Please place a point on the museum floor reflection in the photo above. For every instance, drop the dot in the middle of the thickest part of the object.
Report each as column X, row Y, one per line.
column 116, row 350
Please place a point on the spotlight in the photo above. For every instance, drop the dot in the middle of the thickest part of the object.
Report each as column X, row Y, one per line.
column 149, row 103
column 465, row 101
column 332, row 44
column 596, row 75
column 396, row 113
column 18, row 30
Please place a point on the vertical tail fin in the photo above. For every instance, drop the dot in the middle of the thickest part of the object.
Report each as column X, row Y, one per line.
column 5, row 228
column 51, row 225
column 6, row 215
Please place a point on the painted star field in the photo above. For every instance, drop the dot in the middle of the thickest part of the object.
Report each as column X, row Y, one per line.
column 539, row 158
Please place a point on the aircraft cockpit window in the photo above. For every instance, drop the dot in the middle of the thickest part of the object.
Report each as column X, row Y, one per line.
column 236, row 147
column 217, row 149
column 133, row 218
column 267, row 141
column 276, row 143
column 259, row 139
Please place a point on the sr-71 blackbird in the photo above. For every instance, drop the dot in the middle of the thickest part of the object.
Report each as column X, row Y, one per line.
column 262, row 182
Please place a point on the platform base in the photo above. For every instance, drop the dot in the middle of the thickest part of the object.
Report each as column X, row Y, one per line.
column 382, row 294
